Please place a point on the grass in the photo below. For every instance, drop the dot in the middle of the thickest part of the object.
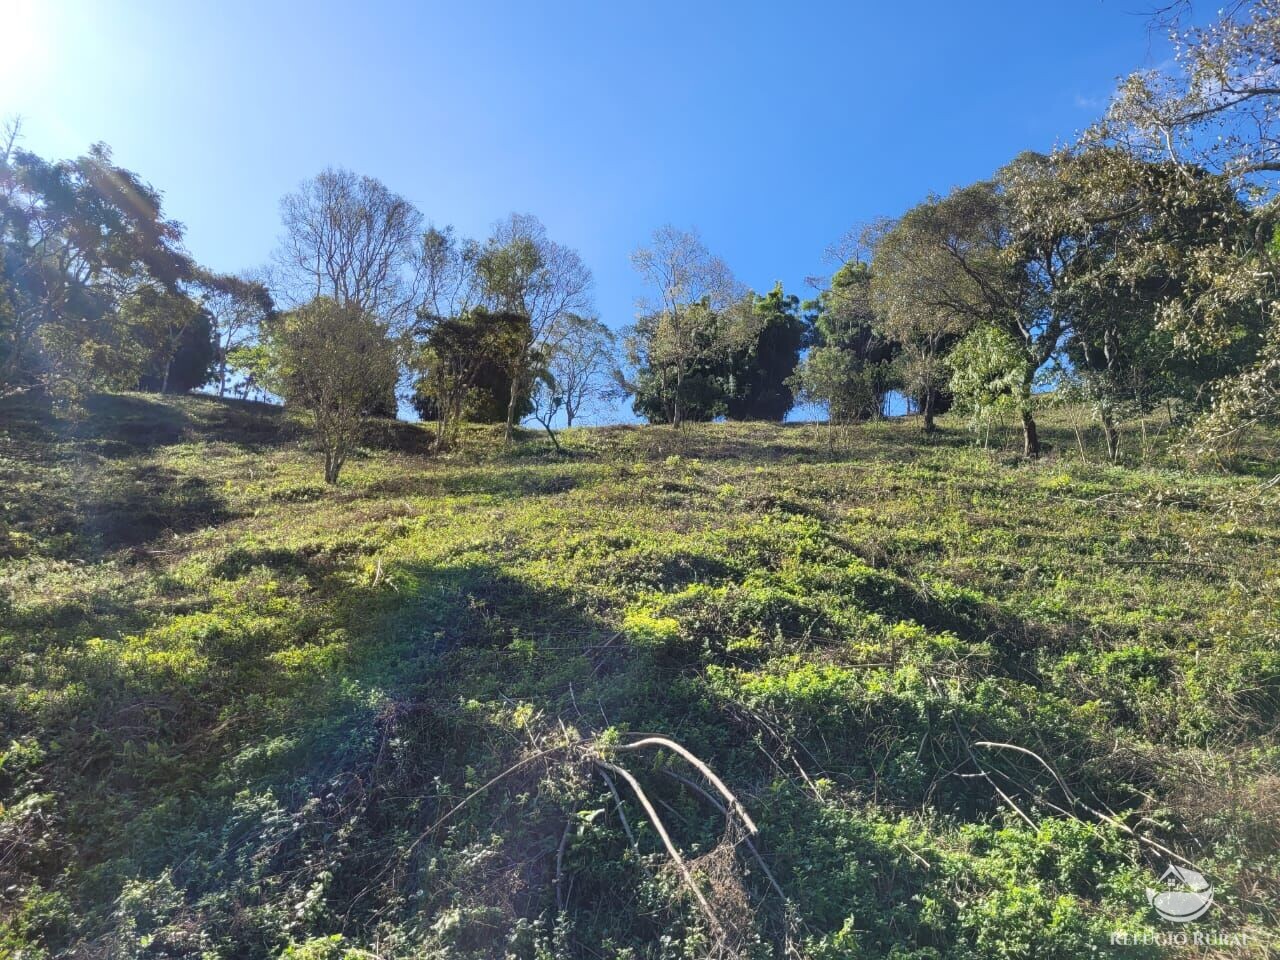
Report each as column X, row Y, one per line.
column 236, row 702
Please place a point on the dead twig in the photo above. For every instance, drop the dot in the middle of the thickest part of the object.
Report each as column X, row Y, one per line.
column 702, row 768
column 672, row 852
column 724, row 811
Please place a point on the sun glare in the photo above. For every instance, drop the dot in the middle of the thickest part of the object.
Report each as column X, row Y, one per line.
column 23, row 46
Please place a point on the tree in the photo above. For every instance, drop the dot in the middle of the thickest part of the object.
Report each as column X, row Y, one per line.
column 546, row 403
column 172, row 338
column 927, row 284
column 253, row 361
column 849, row 366
column 76, row 237
column 451, row 358
column 581, row 364
column 487, row 400
column 695, row 313
column 988, row 368
column 987, row 254
column 349, row 238
column 523, row 271
column 653, row 382
column 239, row 307
column 332, row 360
column 1134, row 238
column 1217, row 107
column 449, row 270
column 759, row 372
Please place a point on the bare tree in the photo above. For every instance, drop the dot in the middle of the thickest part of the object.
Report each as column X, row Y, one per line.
column 582, row 364
column 692, row 292
column 1219, row 107
column 523, row 271
column 350, row 238
column 449, row 274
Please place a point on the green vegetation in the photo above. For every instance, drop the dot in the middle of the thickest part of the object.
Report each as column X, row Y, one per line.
column 845, row 690
column 249, row 714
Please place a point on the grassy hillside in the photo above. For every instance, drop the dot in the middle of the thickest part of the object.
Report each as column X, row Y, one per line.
column 246, row 714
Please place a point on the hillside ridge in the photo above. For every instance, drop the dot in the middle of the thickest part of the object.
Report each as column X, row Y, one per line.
column 963, row 696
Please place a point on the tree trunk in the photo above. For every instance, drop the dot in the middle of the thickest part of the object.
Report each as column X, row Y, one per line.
column 1110, row 431
column 511, row 408
column 546, row 425
column 511, row 411
column 926, row 408
column 1030, row 437
column 676, row 412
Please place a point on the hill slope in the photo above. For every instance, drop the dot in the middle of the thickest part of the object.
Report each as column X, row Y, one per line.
column 248, row 714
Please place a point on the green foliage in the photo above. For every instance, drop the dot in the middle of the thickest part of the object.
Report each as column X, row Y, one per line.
column 74, row 235
column 465, row 368
column 335, row 362
column 174, row 339
column 987, row 372
column 849, row 367
column 736, row 362
column 236, row 699
column 757, row 381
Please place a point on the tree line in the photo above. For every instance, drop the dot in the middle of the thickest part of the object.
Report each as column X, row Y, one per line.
column 1133, row 269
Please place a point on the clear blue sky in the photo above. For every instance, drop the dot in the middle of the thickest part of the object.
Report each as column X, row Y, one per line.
column 772, row 127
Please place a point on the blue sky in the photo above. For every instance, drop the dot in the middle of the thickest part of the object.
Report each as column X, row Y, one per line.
column 772, row 127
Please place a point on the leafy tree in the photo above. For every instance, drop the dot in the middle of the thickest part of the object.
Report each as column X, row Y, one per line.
column 759, row 372
column 486, row 403
column 988, row 368
column 984, row 254
column 253, row 361
column 172, row 337
column 76, row 236
column 849, row 367
column 332, row 360
column 653, row 384
column 523, row 271
column 239, row 307
column 452, row 357
column 1217, row 108
column 1134, row 237
column 695, row 317
column 929, row 279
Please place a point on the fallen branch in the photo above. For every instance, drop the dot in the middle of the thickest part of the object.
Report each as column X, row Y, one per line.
column 1076, row 801
column 561, row 900
column 987, row 777
column 764, row 867
column 702, row 768
column 622, row 814
column 666, row 841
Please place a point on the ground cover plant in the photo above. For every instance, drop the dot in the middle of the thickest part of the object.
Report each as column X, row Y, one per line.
column 973, row 705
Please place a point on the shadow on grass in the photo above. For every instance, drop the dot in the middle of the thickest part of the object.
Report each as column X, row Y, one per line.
column 127, row 425
column 144, row 505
